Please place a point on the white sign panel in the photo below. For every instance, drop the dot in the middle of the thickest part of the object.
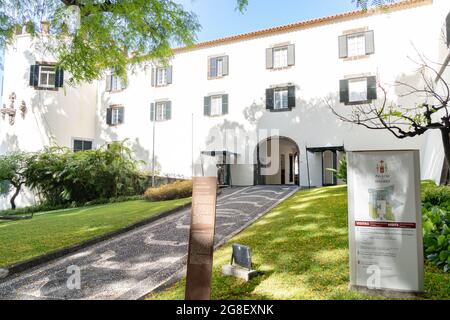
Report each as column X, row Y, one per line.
column 385, row 229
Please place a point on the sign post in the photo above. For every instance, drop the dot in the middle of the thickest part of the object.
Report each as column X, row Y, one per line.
column 201, row 238
column 385, row 221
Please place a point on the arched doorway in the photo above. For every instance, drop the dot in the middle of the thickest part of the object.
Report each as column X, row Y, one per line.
column 277, row 162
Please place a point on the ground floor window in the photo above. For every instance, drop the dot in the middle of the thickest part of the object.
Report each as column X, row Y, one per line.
column 82, row 145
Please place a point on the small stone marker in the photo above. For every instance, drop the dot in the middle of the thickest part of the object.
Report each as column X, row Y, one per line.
column 241, row 263
column 3, row 273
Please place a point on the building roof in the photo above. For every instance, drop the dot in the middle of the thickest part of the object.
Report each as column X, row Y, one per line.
column 406, row 4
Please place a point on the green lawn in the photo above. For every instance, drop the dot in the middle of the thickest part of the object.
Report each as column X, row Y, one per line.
column 300, row 249
column 25, row 239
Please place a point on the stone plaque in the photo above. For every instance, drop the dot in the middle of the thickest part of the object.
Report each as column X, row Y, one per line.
column 201, row 238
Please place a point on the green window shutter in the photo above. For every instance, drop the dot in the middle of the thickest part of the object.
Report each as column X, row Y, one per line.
column 207, row 106
column 59, row 77
column 343, row 47
column 34, row 75
column 291, row 97
column 343, row 92
column 370, row 42
column 269, row 58
column 152, row 111
column 291, row 55
column 225, row 104
column 269, row 99
column 447, row 22
column 371, row 88
column 169, row 74
column 213, row 67
column 108, row 83
column 121, row 114
column 225, row 65
column 168, row 110
column 108, row 116
column 153, row 81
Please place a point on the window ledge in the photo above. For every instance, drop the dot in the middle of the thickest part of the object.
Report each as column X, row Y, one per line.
column 217, row 116
column 281, row 110
column 280, row 68
column 355, row 103
column 46, row 89
column 162, row 85
column 216, row 78
column 116, row 91
column 361, row 57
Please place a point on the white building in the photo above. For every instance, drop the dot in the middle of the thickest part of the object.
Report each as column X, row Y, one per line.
column 269, row 85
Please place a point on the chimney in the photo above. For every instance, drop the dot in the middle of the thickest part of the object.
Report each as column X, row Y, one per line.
column 45, row 27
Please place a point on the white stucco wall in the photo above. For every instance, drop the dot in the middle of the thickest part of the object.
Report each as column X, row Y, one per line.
column 316, row 75
column 53, row 117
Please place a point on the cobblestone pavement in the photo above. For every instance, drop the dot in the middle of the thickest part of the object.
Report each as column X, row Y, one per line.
column 135, row 263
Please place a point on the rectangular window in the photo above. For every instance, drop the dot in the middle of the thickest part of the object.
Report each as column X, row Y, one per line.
column 356, row 45
column 280, row 99
column 161, row 76
column 116, row 83
column 218, row 67
column 82, row 145
column 216, row 106
column 161, row 111
column 47, row 76
column 280, row 57
column 357, row 89
column 117, row 115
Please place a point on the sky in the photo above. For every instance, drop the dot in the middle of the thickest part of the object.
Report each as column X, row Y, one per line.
column 219, row 17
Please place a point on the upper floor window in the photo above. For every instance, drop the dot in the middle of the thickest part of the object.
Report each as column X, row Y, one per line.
column 81, row 145
column 161, row 111
column 115, row 115
column 281, row 98
column 43, row 76
column 218, row 67
column 356, row 44
column 280, row 57
column 216, row 105
column 161, row 76
column 358, row 90
column 114, row 82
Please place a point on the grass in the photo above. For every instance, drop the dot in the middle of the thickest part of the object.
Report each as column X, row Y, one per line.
column 300, row 249
column 25, row 239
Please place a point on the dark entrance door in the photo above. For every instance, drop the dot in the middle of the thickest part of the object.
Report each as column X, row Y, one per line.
column 224, row 174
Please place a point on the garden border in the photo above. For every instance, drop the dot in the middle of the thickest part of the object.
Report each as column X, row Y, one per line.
column 25, row 265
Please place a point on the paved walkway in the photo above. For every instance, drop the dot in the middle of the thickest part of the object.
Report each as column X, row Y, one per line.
column 137, row 262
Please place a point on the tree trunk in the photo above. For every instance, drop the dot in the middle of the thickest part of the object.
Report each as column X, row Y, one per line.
column 13, row 198
column 445, row 132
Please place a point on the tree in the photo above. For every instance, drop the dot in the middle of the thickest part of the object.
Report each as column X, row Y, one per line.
column 12, row 167
column 431, row 112
column 89, row 37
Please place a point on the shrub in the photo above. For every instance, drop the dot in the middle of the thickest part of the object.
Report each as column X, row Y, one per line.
column 176, row 190
column 341, row 173
column 62, row 176
column 436, row 237
column 436, row 195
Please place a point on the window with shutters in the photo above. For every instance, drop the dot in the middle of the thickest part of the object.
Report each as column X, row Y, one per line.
column 216, row 106
column 280, row 99
column 82, row 145
column 356, row 45
column 357, row 90
column 115, row 115
column 47, row 76
column 280, row 57
column 217, row 67
column 116, row 83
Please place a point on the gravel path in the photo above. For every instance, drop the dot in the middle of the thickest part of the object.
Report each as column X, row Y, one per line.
column 137, row 262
